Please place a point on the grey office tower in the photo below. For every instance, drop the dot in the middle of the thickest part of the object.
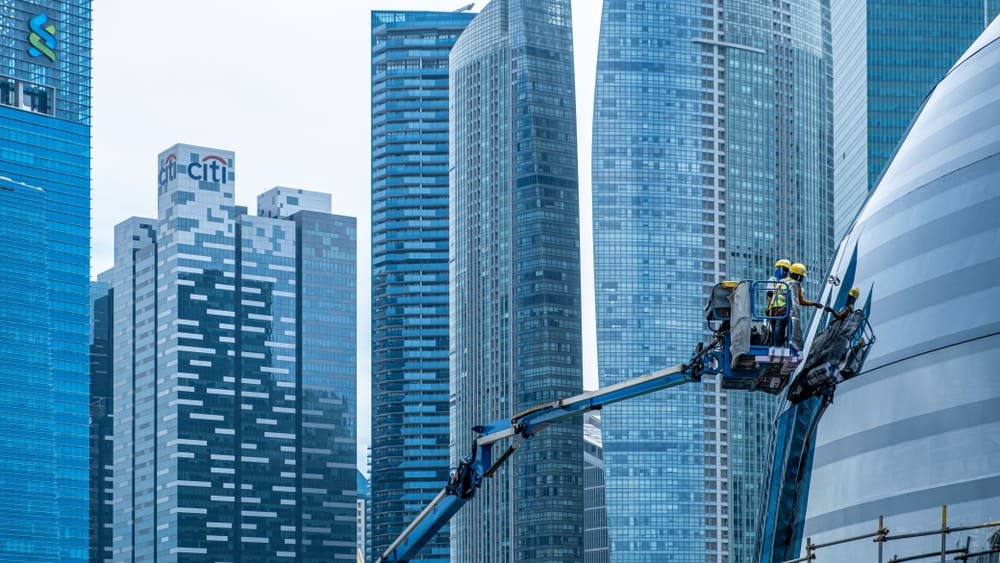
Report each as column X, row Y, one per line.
column 515, row 274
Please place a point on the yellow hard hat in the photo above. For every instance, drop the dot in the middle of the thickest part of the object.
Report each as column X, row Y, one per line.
column 798, row 268
column 782, row 264
column 854, row 292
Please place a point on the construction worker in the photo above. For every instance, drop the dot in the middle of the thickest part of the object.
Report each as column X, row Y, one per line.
column 852, row 297
column 797, row 273
column 776, row 303
column 790, row 284
column 781, row 268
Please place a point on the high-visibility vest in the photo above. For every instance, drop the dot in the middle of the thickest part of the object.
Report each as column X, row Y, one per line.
column 779, row 298
column 772, row 286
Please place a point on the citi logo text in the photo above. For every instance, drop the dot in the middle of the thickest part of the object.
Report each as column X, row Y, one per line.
column 168, row 170
column 211, row 168
column 42, row 37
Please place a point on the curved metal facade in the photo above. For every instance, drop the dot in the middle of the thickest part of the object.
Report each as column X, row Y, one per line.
column 922, row 427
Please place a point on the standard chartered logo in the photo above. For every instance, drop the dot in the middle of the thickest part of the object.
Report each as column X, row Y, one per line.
column 42, row 37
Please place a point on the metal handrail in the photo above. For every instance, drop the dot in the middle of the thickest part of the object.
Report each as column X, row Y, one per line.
column 977, row 554
column 754, row 290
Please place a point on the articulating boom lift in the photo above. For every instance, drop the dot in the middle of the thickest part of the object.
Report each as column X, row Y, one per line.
column 745, row 351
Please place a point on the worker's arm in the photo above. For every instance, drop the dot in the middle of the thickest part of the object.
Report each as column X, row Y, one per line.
column 805, row 302
column 842, row 314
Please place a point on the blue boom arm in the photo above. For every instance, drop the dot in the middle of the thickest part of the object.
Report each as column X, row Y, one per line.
column 480, row 464
column 759, row 367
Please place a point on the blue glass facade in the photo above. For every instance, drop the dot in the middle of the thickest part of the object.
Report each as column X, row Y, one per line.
column 888, row 54
column 711, row 158
column 363, row 522
column 234, row 339
column 515, row 275
column 654, row 252
column 919, row 428
column 410, row 268
column 595, row 514
column 326, row 301
column 44, row 367
column 101, row 419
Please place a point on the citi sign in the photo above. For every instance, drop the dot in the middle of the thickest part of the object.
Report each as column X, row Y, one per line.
column 211, row 168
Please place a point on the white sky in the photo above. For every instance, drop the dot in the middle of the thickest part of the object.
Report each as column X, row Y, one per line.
column 287, row 87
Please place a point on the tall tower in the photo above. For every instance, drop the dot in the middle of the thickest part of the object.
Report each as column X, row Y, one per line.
column 711, row 158
column 101, row 419
column 234, row 372
column 595, row 515
column 45, row 271
column 410, row 268
column 887, row 55
column 515, row 275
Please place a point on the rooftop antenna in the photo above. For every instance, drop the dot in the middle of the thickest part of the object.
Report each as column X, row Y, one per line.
column 466, row 7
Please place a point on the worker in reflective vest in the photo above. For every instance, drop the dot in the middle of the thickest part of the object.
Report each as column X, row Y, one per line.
column 776, row 300
column 797, row 274
column 781, row 268
column 790, row 284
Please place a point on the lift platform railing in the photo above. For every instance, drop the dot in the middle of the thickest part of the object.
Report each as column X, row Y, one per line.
column 769, row 308
column 762, row 294
column 883, row 536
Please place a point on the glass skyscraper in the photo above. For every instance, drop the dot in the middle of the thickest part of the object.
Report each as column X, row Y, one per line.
column 44, row 267
column 919, row 428
column 515, row 275
column 234, row 372
column 101, row 419
column 595, row 515
column 364, row 519
column 887, row 55
column 410, row 268
column 711, row 159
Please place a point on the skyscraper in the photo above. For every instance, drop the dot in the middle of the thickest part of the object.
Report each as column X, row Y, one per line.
column 887, row 55
column 595, row 514
column 101, row 419
column 919, row 428
column 234, row 339
column 711, row 159
column 362, row 517
column 410, row 268
column 44, row 267
column 515, row 275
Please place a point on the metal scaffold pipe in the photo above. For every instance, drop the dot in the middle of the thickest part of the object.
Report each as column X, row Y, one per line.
column 883, row 535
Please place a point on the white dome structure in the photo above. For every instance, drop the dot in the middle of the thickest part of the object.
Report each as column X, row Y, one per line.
column 921, row 427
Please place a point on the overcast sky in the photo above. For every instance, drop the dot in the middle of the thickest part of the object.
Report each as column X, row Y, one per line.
column 287, row 87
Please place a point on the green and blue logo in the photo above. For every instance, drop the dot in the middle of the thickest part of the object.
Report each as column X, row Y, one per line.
column 42, row 37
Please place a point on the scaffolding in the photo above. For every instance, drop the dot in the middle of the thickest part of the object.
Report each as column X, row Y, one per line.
column 882, row 536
